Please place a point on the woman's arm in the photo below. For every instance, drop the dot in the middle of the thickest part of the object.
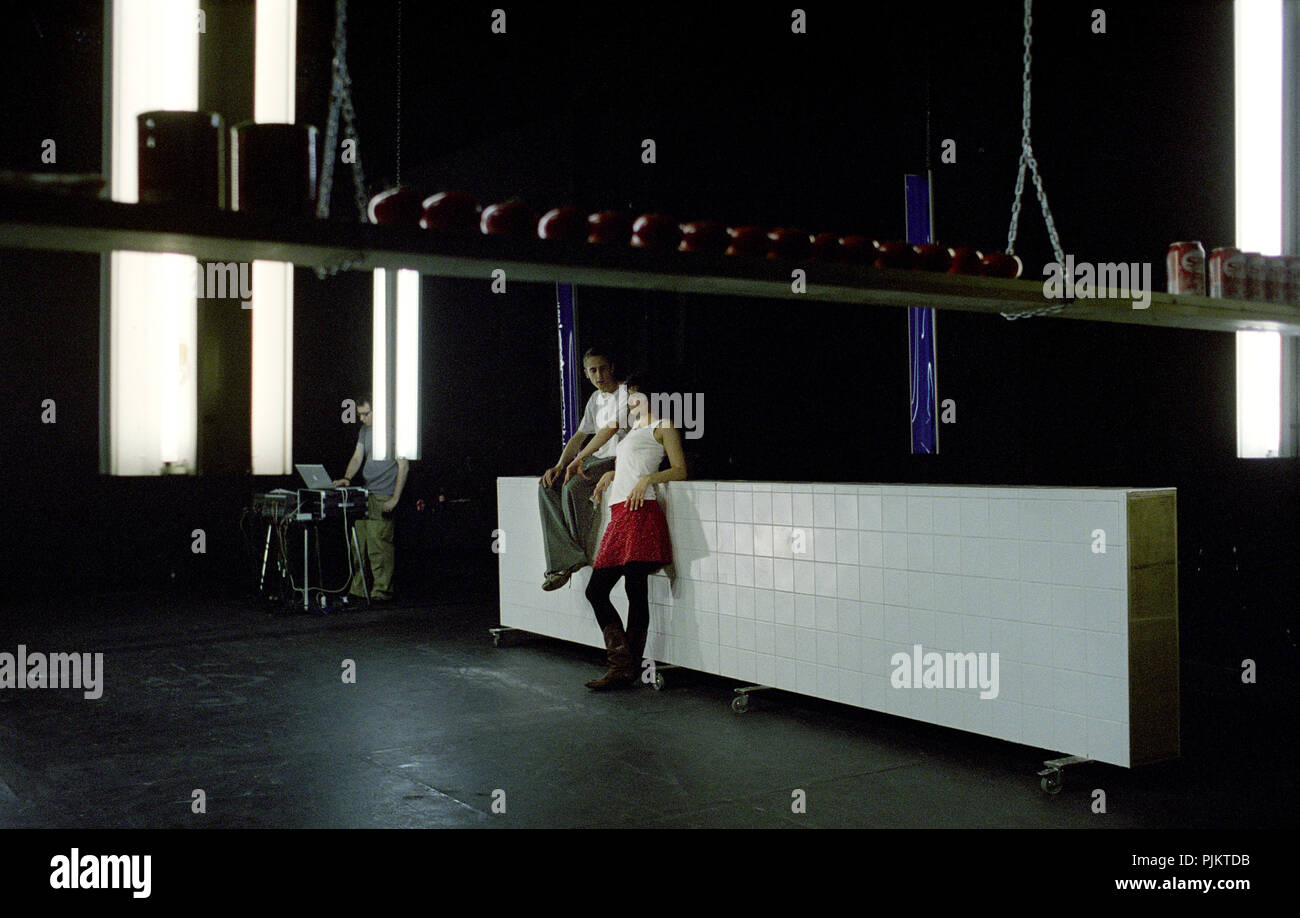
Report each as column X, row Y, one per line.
column 671, row 438
column 599, row 439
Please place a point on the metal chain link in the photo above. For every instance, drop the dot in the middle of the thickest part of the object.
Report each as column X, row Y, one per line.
column 341, row 101
column 1027, row 159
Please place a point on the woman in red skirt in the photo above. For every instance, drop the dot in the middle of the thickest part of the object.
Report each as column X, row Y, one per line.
column 635, row 544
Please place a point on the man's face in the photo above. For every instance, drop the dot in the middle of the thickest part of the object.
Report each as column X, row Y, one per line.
column 600, row 373
column 363, row 412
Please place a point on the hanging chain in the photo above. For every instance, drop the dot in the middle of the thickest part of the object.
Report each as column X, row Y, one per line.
column 341, row 101
column 1027, row 159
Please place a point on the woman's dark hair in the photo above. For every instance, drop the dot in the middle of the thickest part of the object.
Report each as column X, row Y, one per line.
column 661, row 401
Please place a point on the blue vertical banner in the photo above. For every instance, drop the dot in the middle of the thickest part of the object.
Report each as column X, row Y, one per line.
column 923, row 379
column 567, row 318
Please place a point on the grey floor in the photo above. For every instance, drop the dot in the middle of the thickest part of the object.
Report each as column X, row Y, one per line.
column 250, row 707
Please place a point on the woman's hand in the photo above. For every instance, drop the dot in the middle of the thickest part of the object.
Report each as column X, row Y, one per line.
column 637, row 497
column 605, row 481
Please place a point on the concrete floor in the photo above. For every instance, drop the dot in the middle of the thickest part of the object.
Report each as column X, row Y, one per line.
column 250, row 707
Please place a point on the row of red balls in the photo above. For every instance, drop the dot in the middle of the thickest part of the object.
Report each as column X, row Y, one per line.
column 457, row 212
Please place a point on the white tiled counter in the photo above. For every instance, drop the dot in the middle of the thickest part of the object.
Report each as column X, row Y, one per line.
column 1086, row 640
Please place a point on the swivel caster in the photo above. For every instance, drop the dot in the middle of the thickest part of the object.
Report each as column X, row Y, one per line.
column 659, row 682
column 740, row 704
column 1052, row 782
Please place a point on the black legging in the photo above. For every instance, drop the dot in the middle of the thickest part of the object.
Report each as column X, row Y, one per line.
column 635, row 574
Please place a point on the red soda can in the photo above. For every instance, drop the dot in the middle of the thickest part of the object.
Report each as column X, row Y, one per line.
column 1275, row 278
column 1185, row 268
column 1228, row 273
column 1255, row 272
column 1293, row 279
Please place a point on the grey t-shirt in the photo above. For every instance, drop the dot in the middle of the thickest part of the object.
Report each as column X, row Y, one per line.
column 380, row 474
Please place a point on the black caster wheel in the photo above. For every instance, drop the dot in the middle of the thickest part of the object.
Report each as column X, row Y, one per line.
column 496, row 640
column 1052, row 783
column 659, row 682
column 740, row 704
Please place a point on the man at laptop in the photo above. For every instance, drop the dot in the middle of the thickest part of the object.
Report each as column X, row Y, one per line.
column 385, row 479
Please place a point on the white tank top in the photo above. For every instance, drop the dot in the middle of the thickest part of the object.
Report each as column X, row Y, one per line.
column 639, row 454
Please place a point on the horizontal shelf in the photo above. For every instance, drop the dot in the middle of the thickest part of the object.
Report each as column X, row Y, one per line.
column 68, row 224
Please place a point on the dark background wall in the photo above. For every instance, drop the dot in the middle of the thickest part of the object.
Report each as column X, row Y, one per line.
column 1133, row 130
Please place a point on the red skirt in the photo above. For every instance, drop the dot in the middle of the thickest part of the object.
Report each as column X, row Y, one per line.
column 635, row 535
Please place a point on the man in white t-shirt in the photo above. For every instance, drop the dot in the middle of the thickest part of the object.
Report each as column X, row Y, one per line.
column 568, row 515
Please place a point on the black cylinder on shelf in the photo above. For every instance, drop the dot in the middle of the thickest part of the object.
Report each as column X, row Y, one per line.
column 182, row 158
column 273, row 167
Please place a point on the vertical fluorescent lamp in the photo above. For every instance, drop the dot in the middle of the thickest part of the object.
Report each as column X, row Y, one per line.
column 153, row 394
column 395, row 395
column 1257, row 36
column 274, row 56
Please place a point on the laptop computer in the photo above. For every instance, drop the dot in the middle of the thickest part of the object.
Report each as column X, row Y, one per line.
column 315, row 477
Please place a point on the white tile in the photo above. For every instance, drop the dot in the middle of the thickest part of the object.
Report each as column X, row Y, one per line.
column 975, row 517
column 848, row 617
column 947, row 516
column 1069, row 564
column 708, row 628
column 847, row 581
column 1004, row 519
column 1107, row 698
column 920, row 552
column 802, row 507
column 1005, row 640
column 727, row 599
column 893, row 513
column 726, row 568
column 801, row 543
column 1071, row 733
column 1068, row 521
column 744, row 539
column 850, row 687
column 783, row 608
column 846, row 511
column 1038, row 726
column 871, row 584
column 786, row 675
column 1010, row 677
column 1113, row 566
column 947, row 554
column 871, row 548
column 1004, row 558
column 782, row 514
column 706, row 596
column 726, row 537
column 764, row 604
column 1108, row 742
column 1105, row 610
column 975, row 557
column 824, row 510
column 727, row 631
column 895, row 586
column 920, row 590
column 869, row 512
column 762, row 539
column 763, row 507
column 764, row 637
column 1036, row 561
column 975, row 596
column 846, row 546
column 710, row 530
column 920, row 514
column 828, row 682
column 1037, row 643
column 805, row 640
column 824, row 577
column 706, row 505
column 763, row 577
column 823, row 544
column 1036, row 603
column 726, row 506
column 1004, row 600
column 947, row 631
column 1071, row 691
column 976, row 634
column 828, row 653
column 764, row 669
column 898, row 625
column 1007, row 717
column 895, row 550
column 1106, row 654
column 1107, row 516
column 805, row 611
column 827, row 613
column 781, row 541
column 873, row 620
column 874, row 690
column 783, row 573
column 745, row 601
column 745, row 570
column 744, row 506
column 947, row 593
column 921, row 624
column 804, row 581
column 806, row 678
column 1070, row 649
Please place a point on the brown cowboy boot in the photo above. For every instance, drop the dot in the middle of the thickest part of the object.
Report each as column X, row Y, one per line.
column 622, row 671
column 636, row 648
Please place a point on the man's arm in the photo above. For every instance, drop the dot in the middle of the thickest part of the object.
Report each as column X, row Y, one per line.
column 354, row 466
column 570, row 448
column 402, row 467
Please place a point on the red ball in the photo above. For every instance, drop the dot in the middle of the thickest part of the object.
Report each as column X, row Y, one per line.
column 704, row 236
column 655, row 231
column 747, row 240
column 790, row 244
column 510, row 218
column 1000, row 264
column 401, row 206
column 858, row 250
column 451, row 212
column 565, row 223
column 931, row 257
column 966, row 260
column 894, row 255
column 824, row 247
column 609, row 227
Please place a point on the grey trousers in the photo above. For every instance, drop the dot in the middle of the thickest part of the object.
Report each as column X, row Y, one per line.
column 569, row 519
